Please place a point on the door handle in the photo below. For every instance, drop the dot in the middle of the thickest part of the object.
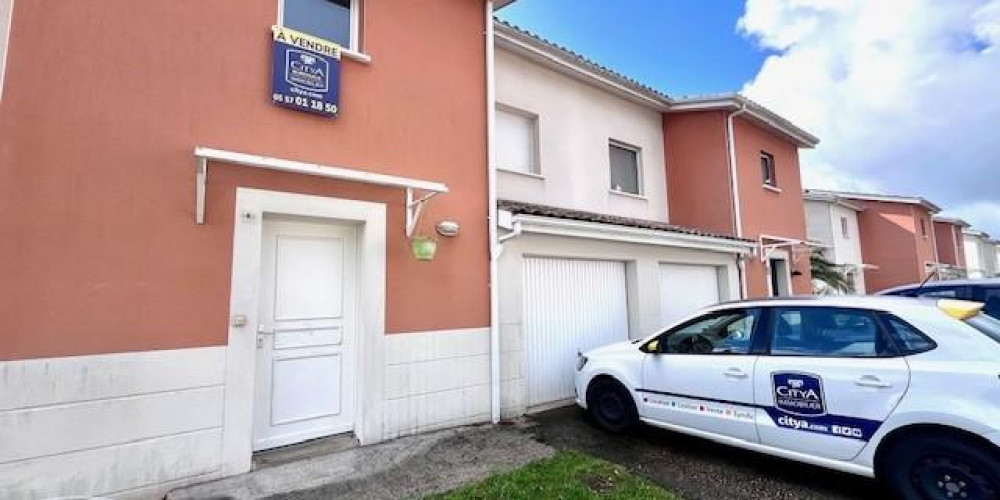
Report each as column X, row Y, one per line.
column 735, row 373
column 872, row 381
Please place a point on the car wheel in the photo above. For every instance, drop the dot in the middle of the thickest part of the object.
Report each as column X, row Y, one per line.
column 610, row 405
column 933, row 468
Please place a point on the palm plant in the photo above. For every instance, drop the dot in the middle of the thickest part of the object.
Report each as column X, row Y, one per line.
column 828, row 272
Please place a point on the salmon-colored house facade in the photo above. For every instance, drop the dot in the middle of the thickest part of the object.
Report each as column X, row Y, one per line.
column 733, row 167
column 897, row 238
column 181, row 253
column 950, row 246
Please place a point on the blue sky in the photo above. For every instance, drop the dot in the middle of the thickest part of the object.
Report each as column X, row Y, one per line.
column 679, row 47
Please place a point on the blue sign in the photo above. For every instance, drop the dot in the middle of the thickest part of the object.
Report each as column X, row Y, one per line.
column 305, row 72
column 798, row 394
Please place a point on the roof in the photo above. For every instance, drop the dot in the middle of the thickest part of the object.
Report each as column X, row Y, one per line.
column 878, row 302
column 958, row 282
column 830, row 197
column 885, row 198
column 976, row 232
column 951, row 220
column 523, row 208
column 565, row 60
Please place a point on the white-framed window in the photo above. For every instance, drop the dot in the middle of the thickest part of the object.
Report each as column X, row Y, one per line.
column 768, row 175
column 626, row 174
column 923, row 227
column 6, row 19
column 516, row 140
column 844, row 228
column 333, row 20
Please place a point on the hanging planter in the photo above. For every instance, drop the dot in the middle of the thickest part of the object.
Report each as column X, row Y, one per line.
column 423, row 248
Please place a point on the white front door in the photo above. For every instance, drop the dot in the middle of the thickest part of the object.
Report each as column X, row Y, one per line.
column 306, row 338
column 686, row 288
column 570, row 306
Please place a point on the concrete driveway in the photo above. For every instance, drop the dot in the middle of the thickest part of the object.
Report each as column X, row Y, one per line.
column 696, row 468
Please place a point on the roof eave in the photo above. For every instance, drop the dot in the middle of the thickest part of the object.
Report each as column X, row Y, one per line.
column 736, row 102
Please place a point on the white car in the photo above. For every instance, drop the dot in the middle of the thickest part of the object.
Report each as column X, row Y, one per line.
column 905, row 390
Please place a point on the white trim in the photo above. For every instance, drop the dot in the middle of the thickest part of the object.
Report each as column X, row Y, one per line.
column 771, row 188
column 6, row 11
column 628, row 195
column 529, row 175
column 251, row 206
column 491, row 200
column 593, row 230
column 413, row 205
column 885, row 198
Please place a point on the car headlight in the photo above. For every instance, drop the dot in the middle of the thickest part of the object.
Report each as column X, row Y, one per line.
column 581, row 361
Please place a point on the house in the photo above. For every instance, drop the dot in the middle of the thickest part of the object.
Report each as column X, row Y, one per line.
column 981, row 254
column 832, row 222
column 950, row 247
column 733, row 168
column 590, row 253
column 208, row 217
column 897, row 238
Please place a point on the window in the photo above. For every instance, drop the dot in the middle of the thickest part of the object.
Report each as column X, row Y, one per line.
column 333, row 20
column 942, row 292
column 624, row 168
column 727, row 332
column 908, row 339
column 923, row 228
column 844, row 228
column 991, row 297
column 989, row 326
column 826, row 332
column 767, row 169
column 517, row 141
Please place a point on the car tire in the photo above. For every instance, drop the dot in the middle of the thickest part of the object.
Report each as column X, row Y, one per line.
column 611, row 406
column 941, row 467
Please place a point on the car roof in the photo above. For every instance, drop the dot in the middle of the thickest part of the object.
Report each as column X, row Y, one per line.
column 875, row 302
column 934, row 284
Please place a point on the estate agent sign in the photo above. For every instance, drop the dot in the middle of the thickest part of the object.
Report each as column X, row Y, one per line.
column 306, row 72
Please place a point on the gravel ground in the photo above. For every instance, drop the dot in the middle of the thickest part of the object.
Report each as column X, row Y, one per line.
column 697, row 468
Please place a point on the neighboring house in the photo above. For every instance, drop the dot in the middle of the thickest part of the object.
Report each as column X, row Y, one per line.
column 589, row 255
column 897, row 238
column 981, row 254
column 191, row 272
column 832, row 222
column 733, row 168
column 950, row 247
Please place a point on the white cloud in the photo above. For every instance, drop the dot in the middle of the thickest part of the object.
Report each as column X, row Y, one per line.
column 904, row 94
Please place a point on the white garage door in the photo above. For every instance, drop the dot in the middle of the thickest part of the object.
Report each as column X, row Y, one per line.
column 686, row 288
column 569, row 306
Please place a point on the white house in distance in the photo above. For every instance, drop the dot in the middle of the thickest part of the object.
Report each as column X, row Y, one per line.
column 588, row 255
column 981, row 254
column 832, row 222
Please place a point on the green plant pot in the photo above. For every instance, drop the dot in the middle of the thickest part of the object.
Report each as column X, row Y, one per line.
column 423, row 248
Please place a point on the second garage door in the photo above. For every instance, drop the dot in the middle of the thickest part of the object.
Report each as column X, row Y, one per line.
column 570, row 305
column 685, row 288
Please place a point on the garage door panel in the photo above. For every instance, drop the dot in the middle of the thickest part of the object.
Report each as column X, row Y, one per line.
column 685, row 288
column 570, row 306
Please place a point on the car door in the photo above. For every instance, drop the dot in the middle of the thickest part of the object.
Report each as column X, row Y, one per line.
column 827, row 380
column 699, row 375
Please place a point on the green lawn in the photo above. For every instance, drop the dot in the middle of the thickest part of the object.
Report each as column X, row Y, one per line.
column 567, row 475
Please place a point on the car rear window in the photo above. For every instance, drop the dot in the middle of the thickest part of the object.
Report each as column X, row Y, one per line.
column 986, row 324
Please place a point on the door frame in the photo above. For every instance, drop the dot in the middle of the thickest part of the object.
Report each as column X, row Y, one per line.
column 250, row 208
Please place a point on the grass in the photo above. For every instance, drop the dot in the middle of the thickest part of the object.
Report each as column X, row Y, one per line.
column 567, row 475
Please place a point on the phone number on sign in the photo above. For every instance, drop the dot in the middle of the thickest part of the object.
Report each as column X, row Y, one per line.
column 305, row 103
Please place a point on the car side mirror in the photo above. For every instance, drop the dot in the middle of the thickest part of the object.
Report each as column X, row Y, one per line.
column 651, row 347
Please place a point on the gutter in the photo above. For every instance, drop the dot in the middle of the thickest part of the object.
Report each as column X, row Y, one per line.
column 491, row 188
column 734, row 191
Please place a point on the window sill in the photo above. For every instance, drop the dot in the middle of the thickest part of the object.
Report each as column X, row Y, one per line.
column 357, row 56
column 628, row 195
column 530, row 175
column 771, row 188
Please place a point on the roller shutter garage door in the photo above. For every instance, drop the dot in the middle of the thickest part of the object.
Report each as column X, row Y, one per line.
column 685, row 288
column 570, row 305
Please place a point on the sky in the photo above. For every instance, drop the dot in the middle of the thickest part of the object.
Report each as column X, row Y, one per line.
column 903, row 94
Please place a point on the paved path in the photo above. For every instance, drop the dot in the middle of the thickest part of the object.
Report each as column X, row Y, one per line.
column 699, row 469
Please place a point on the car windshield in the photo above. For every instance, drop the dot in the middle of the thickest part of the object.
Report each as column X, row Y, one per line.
column 986, row 324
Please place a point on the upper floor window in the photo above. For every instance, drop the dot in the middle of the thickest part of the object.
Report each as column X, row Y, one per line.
column 844, row 229
column 333, row 20
column 767, row 169
column 624, row 168
column 923, row 227
column 516, row 140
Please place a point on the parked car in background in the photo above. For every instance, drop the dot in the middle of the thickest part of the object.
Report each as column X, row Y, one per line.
column 898, row 389
column 985, row 290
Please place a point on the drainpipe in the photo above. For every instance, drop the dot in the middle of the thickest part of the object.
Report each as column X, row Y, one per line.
column 491, row 188
column 734, row 191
